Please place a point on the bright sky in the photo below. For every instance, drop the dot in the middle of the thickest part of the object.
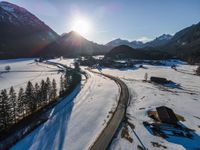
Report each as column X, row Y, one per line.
column 106, row 20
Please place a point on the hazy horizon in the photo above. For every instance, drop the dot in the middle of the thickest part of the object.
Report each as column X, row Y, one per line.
column 131, row 20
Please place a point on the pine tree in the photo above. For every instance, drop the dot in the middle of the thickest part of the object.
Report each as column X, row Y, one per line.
column 48, row 89
column 77, row 66
column 21, row 103
column 12, row 105
column 54, row 90
column 62, row 86
column 29, row 94
column 4, row 97
column 43, row 93
column 66, row 84
column 68, row 80
column 2, row 112
column 37, row 95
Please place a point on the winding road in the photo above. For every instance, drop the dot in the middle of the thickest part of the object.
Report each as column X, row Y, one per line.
column 106, row 136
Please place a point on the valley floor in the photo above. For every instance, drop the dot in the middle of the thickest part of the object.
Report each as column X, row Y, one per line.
column 76, row 123
column 146, row 96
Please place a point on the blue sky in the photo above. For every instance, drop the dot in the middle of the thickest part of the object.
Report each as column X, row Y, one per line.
column 110, row 19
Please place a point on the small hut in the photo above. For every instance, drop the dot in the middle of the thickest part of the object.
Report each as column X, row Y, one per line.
column 159, row 80
column 166, row 115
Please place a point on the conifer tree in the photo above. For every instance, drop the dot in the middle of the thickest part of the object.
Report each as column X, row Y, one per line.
column 77, row 66
column 62, row 86
column 21, row 103
column 2, row 113
column 12, row 106
column 54, row 90
column 48, row 89
column 37, row 95
column 43, row 93
column 4, row 97
column 29, row 94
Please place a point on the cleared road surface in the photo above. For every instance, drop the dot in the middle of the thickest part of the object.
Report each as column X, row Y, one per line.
column 103, row 141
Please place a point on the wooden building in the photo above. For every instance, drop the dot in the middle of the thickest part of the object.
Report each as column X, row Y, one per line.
column 166, row 115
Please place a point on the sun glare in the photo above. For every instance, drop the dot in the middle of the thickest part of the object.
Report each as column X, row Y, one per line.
column 82, row 26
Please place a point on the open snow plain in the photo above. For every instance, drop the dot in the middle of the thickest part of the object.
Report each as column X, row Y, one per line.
column 146, row 96
column 24, row 70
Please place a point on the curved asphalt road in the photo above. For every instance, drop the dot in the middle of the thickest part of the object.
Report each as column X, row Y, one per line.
column 104, row 139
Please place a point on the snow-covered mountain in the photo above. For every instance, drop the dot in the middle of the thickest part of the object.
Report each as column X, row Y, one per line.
column 22, row 33
column 136, row 44
column 185, row 44
column 163, row 39
column 118, row 42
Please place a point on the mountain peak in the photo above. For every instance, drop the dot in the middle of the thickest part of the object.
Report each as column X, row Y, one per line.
column 73, row 36
column 74, row 33
column 164, row 37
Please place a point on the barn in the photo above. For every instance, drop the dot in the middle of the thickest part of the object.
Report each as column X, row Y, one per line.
column 160, row 80
column 166, row 115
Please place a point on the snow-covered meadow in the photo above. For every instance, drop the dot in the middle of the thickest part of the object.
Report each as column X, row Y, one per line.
column 146, row 96
column 24, row 70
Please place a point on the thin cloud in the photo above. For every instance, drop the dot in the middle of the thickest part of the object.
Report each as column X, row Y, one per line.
column 144, row 39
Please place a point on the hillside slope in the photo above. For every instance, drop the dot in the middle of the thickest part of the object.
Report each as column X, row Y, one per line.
column 22, row 33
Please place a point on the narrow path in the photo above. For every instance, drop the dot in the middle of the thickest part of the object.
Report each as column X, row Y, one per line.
column 106, row 136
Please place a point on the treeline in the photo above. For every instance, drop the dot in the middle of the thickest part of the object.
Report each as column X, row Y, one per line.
column 17, row 106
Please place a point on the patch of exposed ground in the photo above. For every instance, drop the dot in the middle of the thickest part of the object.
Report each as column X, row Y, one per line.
column 125, row 134
column 158, row 145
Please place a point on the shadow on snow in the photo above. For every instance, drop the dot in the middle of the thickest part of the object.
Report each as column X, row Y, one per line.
column 51, row 134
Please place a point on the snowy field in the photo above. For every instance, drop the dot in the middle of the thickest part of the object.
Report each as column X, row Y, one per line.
column 146, row 96
column 76, row 123
column 68, row 62
column 24, row 70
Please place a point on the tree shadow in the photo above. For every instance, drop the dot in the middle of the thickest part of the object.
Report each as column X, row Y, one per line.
column 51, row 134
column 177, row 134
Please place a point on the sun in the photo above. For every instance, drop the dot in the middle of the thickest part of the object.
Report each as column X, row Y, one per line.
column 82, row 26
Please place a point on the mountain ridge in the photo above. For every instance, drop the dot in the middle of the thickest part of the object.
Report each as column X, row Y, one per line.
column 185, row 45
column 158, row 41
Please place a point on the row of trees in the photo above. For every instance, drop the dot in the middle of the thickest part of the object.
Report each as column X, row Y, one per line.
column 16, row 106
